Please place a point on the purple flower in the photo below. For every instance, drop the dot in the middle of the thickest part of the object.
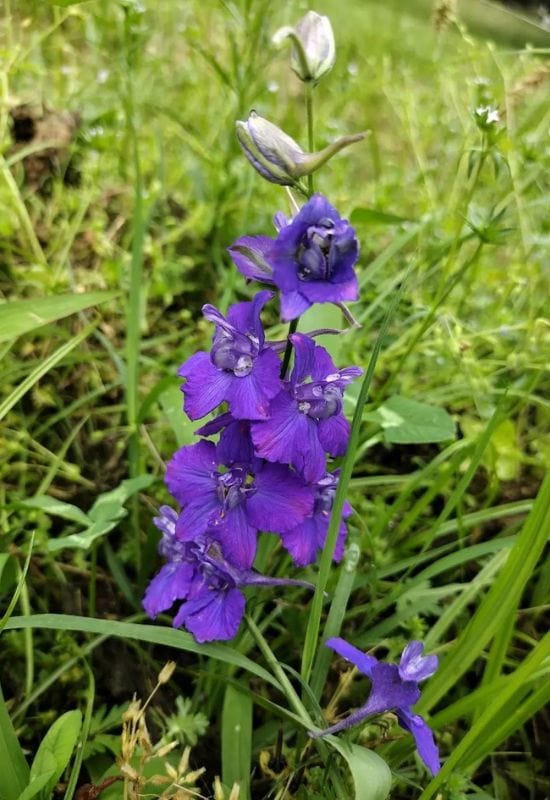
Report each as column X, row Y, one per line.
column 394, row 688
column 207, row 583
column 310, row 261
column 239, row 369
column 306, row 418
column 234, row 499
column 306, row 539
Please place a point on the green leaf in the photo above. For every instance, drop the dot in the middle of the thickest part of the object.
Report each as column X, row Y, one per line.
column 8, row 572
column 21, row 316
column 237, row 739
column 367, row 216
column 40, row 777
column 56, row 507
column 14, row 770
column 104, row 515
column 54, row 753
column 371, row 775
column 171, row 401
column 407, row 421
column 155, row 634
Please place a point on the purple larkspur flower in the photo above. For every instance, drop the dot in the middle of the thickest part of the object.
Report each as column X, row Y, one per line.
column 200, row 577
column 306, row 539
column 235, row 499
column 394, row 688
column 306, row 418
column 311, row 260
column 239, row 369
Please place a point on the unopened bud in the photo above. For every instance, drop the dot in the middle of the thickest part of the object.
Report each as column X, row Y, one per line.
column 166, row 672
column 275, row 154
column 313, row 50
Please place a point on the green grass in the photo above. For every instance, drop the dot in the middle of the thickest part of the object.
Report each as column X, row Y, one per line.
column 447, row 542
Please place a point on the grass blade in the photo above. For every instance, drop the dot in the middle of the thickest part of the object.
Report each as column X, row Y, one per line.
column 237, row 739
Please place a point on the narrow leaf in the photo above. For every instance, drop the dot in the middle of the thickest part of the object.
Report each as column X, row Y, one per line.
column 237, row 739
column 14, row 770
column 21, row 316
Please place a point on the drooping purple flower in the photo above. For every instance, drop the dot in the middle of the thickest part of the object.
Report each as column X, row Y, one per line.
column 200, row 577
column 394, row 688
column 311, row 260
column 306, row 418
column 239, row 369
column 305, row 540
column 234, row 499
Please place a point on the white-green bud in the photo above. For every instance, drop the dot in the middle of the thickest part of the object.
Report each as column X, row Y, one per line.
column 275, row 154
column 313, row 49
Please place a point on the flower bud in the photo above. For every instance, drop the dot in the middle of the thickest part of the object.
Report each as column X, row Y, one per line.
column 276, row 156
column 313, row 52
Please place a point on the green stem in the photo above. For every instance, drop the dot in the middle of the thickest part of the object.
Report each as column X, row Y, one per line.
column 314, row 622
column 310, row 135
column 279, row 673
column 135, row 298
column 288, row 349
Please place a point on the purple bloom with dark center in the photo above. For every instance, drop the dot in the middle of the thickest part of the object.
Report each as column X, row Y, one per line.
column 311, row 260
column 394, row 688
column 239, row 369
column 235, row 500
column 306, row 418
column 200, row 576
column 306, row 539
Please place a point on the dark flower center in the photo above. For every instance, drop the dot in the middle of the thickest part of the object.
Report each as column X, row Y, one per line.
column 235, row 352
column 234, row 486
column 325, row 491
column 314, row 252
column 319, row 400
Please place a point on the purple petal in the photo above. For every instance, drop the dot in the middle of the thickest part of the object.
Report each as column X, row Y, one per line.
column 191, row 472
column 249, row 396
column 245, row 317
column 424, row 738
column 389, row 691
column 414, row 666
column 171, row 583
column 238, row 536
column 302, row 541
column 212, row 615
column 334, row 434
column 251, row 256
column 205, row 387
column 197, row 516
column 304, row 357
column 330, row 292
column 215, row 425
column 293, row 304
column 290, row 437
column 361, row 660
column 235, row 445
column 281, row 499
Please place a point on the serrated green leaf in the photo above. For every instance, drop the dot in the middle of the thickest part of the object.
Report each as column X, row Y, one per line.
column 57, row 507
column 371, row 775
column 407, row 421
column 104, row 515
column 21, row 316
